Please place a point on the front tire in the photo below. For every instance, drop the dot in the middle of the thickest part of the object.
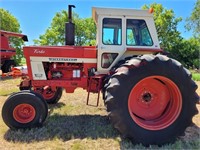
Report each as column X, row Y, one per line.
column 151, row 99
column 24, row 110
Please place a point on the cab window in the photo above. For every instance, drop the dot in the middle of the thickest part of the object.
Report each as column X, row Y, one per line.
column 107, row 59
column 137, row 33
column 112, row 31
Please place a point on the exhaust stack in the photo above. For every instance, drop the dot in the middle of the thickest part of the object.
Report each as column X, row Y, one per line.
column 69, row 28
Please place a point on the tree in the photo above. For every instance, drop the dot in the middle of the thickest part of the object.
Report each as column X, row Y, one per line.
column 185, row 51
column 188, row 52
column 10, row 23
column 166, row 25
column 85, row 30
column 193, row 22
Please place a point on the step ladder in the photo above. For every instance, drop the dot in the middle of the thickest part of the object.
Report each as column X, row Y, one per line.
column 95, row 80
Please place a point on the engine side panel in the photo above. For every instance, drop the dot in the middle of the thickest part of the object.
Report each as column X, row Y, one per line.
column 63, row 66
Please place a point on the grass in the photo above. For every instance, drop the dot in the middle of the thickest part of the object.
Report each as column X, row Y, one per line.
column 8, row 86
column 73, row 125
column 196, row 76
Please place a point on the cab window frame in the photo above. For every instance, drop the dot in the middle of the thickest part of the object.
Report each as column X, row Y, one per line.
column 138, row 38
column 117, row 32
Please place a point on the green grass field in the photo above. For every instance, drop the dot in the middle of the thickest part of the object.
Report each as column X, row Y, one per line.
column 74, row 125
column 196, row 76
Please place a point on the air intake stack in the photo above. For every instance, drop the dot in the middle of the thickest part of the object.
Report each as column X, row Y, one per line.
column 69, row 28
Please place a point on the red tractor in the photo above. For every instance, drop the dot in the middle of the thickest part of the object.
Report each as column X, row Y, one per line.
column 7, row 52
column 150, row 98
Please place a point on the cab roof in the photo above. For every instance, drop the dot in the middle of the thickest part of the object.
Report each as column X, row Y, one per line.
column 97, row 11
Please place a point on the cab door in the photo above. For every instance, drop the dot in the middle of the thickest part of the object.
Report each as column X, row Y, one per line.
column 111, row 45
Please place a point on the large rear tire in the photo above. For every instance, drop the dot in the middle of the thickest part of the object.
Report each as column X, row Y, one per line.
column 151, row 99
column 24, row 110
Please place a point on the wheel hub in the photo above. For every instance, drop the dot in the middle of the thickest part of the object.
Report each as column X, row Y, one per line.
column 24, row 113
column 147, row 97
column 154, row 102
column 47, row 93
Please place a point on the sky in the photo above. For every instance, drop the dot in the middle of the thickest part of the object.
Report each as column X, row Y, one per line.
column 35, row 15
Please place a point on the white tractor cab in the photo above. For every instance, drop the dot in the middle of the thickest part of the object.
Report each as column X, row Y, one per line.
column 122, row 33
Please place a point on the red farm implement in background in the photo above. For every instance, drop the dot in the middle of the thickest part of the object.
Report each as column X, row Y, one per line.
column 7, row 52
column 150, row 98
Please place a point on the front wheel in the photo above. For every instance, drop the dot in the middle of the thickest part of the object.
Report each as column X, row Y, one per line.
column 51, row 96
column 151, row 99
column 24, row 110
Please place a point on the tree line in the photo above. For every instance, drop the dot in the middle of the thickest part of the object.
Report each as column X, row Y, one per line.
column 187, row 51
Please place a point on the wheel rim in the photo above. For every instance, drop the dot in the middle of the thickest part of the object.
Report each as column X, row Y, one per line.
column 47, row 93
column 155, row 103
column 24, row 113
